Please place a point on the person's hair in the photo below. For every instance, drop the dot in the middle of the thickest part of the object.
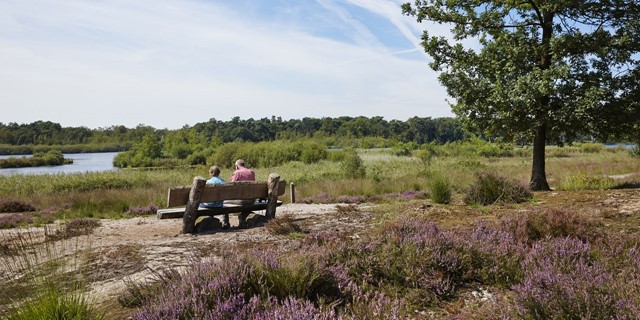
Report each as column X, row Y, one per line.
column 240, row 163
column 214, row 171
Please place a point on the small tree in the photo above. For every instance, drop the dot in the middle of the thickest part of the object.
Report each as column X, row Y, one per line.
column 544, row 70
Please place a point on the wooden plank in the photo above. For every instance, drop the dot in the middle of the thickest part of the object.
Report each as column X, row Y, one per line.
column 178, row 213
column 179, row 196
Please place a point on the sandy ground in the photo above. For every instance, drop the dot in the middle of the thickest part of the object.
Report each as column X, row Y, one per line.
column 129, row 249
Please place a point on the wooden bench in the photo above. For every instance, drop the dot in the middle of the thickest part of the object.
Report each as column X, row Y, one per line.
column 266, row 192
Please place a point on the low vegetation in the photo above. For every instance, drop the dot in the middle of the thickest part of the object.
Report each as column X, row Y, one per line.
column 530, row 262
column 50, row 158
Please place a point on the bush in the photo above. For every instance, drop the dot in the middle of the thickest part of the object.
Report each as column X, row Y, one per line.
column 490, row 188
column 352, row 166
column 551, row 223
column 283, row 225
column 15, row 206
column 591, row 147
column 440, row 189
column 587, row 183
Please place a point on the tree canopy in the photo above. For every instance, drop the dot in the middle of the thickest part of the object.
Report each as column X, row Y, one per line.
column 542, row 70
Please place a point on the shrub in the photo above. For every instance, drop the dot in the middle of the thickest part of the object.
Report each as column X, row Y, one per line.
column 591, row 147
column 424, row 155
column 15, row 206
column 313, row 152
column 282, row 225
column 352, row 166
column 140, row 211
column 490, row 188
column 551, row 223
column 440, row 189
column 14, row 220
column 564, row 281
column 75, row 227
column 587, row 183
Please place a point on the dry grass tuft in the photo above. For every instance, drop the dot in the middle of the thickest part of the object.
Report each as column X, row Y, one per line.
column 283, row 225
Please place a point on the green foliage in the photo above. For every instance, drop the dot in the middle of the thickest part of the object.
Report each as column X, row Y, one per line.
column 591, row 147
column 581, row 182
column 351, row 165
column 490, row 188
column 441, row 189
column 268, row 154
column 550, row 71
column 50, row 158
column 50, row 303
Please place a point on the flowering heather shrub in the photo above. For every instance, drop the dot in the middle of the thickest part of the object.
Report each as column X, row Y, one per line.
column 327, row 198
column 320, row 198
column 563, row 280
column 15, row 206
column 14, row 220
column 259, row 285
column 140, row 211
column 351, row 199
column 490, row 188
column 555, row 223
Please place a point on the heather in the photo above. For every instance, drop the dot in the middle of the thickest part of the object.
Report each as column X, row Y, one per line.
column 411, row 265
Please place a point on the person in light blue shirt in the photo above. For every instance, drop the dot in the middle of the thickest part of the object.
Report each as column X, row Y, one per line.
column 215, row 179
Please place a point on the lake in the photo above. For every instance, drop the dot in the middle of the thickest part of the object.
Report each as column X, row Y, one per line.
column 82, row 162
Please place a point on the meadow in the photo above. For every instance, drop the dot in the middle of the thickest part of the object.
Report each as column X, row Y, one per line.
column 511, row 254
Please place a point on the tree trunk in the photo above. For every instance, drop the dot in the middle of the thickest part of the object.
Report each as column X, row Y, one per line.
column 538, row 174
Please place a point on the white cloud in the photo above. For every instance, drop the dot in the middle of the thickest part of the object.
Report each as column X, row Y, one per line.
column 170, row 63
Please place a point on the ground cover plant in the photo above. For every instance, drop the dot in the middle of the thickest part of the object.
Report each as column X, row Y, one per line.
column 553, row 270
column 422, row 261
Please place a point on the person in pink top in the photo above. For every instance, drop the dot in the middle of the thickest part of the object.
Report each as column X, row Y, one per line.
column 242, row 173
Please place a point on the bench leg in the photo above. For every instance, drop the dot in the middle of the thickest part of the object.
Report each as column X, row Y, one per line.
column 242, row 219
column 225, row 223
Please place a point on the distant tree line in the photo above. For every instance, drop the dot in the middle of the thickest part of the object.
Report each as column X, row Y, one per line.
column 336, row 131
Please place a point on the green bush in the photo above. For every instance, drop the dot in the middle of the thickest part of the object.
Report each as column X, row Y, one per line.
column 440, row 189
column 313, row 152
column 591, row 147
column 352, row 166
column 587, row 183
column 490, row 188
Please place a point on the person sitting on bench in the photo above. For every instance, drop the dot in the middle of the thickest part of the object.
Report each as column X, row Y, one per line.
column 241, row 173
column 214, row 171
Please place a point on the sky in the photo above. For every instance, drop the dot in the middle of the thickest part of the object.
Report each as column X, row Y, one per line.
column 171, row 63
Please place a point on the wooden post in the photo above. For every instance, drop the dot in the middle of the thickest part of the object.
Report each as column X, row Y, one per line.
column 191, row 211
column 272, row 196
column 292, row 192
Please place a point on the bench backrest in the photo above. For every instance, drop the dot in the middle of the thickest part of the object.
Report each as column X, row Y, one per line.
column 179, row 196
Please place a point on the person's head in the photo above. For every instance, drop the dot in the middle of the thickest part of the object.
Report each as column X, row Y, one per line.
column 240, row 163
column 214, row 171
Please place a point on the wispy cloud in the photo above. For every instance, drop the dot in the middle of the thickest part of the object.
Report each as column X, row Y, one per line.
column 162, row 62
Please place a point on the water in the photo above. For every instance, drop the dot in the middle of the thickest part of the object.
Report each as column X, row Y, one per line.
column 82, row 162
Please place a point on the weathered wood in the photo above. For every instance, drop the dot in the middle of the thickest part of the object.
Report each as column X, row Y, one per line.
column 292, row 192
column 177, row 213
column 190, row 213
column 273, row 183
column 233, row 191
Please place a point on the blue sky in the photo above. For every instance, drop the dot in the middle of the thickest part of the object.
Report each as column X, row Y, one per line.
column 170, row 63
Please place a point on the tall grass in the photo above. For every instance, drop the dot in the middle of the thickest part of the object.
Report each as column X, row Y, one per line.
column 112, row 194
column 41, row 279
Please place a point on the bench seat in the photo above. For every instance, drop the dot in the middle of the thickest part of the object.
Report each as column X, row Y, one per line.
column 178, row 213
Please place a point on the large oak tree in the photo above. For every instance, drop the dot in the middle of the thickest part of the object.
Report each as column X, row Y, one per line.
column 543, row 70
